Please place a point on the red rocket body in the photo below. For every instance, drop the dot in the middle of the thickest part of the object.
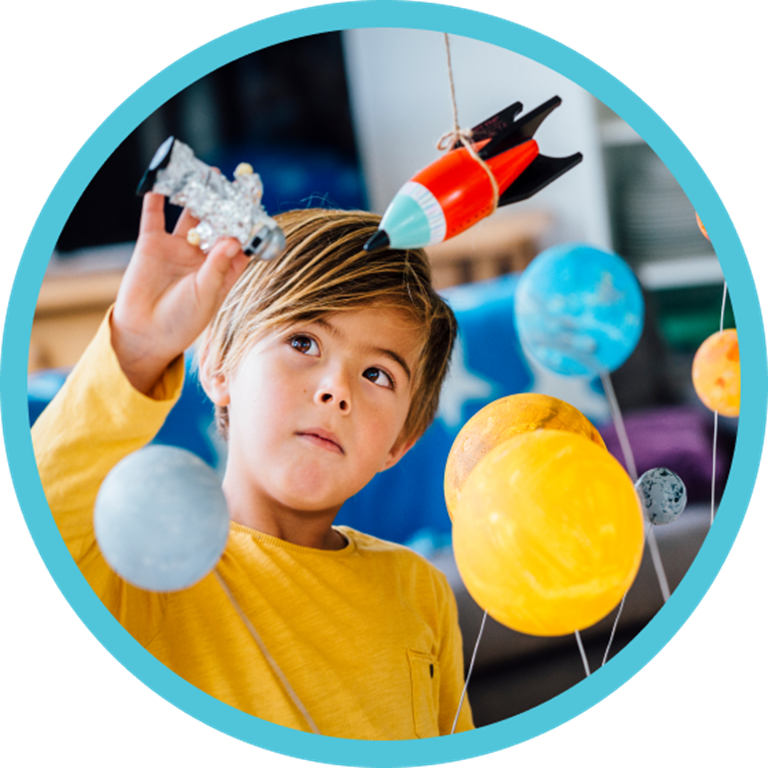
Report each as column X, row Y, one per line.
column 462, row 187
column 455, row 192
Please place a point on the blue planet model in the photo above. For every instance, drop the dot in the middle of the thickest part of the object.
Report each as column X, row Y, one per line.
column 662, row 495
column 579, row 310
column 161, row 519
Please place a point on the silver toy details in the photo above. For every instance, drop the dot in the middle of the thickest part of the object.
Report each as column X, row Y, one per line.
column 225, row 208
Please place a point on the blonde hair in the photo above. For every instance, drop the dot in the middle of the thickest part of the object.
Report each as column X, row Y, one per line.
column 324, row 269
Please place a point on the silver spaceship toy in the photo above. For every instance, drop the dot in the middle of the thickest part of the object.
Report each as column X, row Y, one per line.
column 225, row 208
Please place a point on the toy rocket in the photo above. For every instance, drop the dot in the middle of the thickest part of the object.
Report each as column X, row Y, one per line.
column 454, row 192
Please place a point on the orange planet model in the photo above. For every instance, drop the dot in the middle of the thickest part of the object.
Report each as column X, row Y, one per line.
column 716, row 373
column 548, row 533
column 503, row 419
column 701, row 227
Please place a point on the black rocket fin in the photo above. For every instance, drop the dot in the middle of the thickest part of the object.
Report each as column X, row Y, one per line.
column 520, row 130
column 499, row 123
column 542, row 171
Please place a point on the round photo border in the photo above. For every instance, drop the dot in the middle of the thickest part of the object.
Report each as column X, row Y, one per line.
column 413, row 15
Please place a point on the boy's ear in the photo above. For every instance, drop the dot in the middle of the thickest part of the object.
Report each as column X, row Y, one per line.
column 216, row 387
column 400, row 448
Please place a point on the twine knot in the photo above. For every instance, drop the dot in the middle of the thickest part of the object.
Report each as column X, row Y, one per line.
column 457, row 135
column 464, row 135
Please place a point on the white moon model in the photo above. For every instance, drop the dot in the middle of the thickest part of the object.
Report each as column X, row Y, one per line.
column 161, row 519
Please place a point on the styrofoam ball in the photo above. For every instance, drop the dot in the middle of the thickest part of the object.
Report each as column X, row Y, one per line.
column 161, row 519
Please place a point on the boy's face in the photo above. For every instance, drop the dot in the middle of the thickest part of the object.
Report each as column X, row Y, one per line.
column 317, row 409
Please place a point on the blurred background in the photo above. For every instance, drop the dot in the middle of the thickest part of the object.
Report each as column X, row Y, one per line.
column 343, row 120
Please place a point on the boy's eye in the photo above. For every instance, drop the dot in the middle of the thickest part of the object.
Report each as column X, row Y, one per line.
column 379, row 377
column 304, row 344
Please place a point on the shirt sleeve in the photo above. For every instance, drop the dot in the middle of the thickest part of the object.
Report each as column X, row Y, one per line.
column 452, row 667
column 95, row 420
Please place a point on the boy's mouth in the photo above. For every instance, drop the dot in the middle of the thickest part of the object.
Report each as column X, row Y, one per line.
column 322, row 439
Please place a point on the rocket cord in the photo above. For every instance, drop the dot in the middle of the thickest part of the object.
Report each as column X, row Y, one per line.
column 263, row 648
column 463, row 135
column 446, row 143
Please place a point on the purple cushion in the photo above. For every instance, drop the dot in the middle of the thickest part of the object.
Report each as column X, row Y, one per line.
column 678, row 438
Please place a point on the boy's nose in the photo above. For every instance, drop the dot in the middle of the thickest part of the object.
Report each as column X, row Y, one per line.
column 329, row 398
column 334, row 391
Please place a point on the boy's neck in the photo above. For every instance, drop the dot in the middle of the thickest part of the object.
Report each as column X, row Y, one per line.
column 305, row 529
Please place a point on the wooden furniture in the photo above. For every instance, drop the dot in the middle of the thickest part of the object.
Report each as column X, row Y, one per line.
column 495, row 246
column 70, row 307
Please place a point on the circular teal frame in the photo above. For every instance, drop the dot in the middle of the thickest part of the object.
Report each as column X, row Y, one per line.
column 415, row 15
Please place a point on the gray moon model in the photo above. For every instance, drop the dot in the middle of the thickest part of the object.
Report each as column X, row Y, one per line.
column 662, row 495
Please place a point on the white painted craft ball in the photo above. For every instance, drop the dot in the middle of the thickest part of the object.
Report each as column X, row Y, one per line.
column 161, row 519
column 662, row 495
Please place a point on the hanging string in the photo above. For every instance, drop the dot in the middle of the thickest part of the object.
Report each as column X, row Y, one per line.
column 463, row 136
column 583, row 654
column 613, row 629
column 629, row 460
column 447, row 142
column 722, row 306
column 663, row 585
column 714, row 436
column 267, row 655
column 657, row 564
column 469, row 672
column 618, row 422
column 650, row 538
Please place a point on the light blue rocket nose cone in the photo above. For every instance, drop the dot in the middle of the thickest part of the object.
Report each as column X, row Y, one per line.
column 413, row 219
column 406, row 223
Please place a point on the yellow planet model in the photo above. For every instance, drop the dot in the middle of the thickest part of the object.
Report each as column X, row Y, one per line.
column 548, row 533
column 716, row 373
column 499, row 421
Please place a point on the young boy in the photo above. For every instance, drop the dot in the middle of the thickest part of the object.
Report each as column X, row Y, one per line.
column 325, row 366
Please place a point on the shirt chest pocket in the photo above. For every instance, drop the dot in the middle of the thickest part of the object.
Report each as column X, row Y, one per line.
column 425, row 693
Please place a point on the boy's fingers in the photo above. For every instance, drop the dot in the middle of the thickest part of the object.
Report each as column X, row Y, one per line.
column 152, row 213
column 185, row 223
column 223, row 265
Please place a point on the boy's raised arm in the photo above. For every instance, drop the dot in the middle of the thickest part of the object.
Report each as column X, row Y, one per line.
column 170, row 292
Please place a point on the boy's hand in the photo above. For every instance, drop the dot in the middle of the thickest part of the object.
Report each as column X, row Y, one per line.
column 170, row 292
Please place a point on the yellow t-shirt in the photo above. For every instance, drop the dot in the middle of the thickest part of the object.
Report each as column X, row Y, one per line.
column 367, row 636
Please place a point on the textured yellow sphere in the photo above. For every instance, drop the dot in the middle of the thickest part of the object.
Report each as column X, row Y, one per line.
column 716, row 373
column 501, row 420
column 548, row 533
